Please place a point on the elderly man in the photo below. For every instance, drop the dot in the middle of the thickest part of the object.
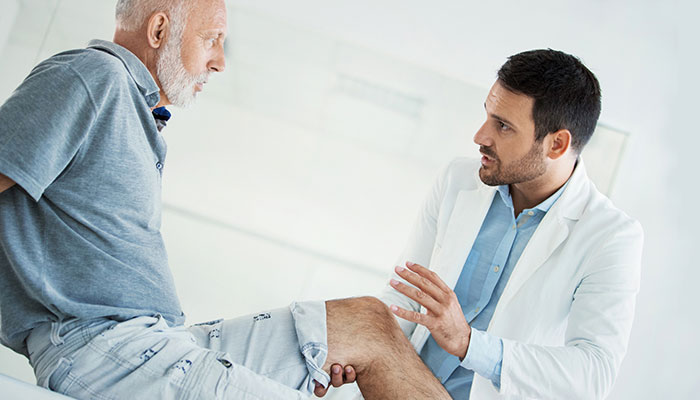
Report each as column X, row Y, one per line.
column 85, row 289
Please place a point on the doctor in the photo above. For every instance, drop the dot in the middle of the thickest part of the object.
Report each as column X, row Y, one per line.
column 532, row 274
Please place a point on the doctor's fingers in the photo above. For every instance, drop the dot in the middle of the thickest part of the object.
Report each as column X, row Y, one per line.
column 412, row 316
column 432, row 276
column 418, row 295
column 423, row 283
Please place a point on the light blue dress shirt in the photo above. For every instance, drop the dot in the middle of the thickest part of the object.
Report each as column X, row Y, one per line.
column 496, row 250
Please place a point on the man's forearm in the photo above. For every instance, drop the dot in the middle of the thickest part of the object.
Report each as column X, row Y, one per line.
column 5, row 183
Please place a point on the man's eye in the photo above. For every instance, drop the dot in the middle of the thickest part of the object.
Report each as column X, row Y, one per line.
column 503, row 126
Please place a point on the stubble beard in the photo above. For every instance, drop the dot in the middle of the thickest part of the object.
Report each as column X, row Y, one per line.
column 177, row 83
column 529, row 167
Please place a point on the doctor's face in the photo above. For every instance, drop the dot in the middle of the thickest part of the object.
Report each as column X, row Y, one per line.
column 510, row 153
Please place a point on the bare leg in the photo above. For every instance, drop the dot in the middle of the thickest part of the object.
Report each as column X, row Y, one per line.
column 363, row 333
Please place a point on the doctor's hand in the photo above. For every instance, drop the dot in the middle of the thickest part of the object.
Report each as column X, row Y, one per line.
column 444, row 318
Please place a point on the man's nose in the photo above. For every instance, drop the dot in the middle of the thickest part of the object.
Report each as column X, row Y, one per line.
column 481, row 137
column 218, row 63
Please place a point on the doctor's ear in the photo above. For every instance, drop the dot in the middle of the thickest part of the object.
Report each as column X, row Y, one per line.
column 557, row 143
column 157, row 29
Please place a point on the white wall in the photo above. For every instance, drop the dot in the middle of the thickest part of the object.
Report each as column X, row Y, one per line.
column 644, row 53
column 8, row 11
column 641, row 51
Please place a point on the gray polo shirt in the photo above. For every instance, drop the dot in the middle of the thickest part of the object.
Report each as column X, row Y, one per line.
column 80, row 232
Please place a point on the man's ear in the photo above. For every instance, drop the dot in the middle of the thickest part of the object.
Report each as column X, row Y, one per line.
column 558, row 143
column 157, row 29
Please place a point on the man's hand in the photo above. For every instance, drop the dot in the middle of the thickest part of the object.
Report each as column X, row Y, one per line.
column 339, row 377
column 444, row 319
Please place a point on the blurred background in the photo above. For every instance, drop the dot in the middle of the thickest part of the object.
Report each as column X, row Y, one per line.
column 300, row 170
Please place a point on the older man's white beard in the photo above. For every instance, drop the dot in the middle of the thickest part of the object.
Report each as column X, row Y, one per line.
column 178, row 84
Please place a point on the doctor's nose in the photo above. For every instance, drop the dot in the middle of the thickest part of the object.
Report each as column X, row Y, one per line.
column 482, row 138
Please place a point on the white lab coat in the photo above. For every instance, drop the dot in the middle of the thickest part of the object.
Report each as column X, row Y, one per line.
column 566, row 313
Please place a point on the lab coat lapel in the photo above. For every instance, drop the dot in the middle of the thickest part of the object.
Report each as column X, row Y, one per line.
column 464, row 225
column 548, row 236
column 552, row 231
column 462, row 228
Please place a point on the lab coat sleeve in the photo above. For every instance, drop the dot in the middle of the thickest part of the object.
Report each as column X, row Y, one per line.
column 598, row 330
column 419, row 248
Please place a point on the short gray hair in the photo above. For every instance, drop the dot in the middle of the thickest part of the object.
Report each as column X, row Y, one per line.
column 132, row 14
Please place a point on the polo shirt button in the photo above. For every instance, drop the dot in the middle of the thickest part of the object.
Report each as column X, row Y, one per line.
column 476, row 310
column 496, row 268
column 159, row 165
column 530, row 213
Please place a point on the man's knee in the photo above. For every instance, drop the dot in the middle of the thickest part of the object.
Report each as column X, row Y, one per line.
column 377, row 315
column 362, row 332
column 359, row 326
column 364, row 318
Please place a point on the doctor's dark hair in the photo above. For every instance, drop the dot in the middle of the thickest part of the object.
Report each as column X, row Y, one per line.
column 566, row 93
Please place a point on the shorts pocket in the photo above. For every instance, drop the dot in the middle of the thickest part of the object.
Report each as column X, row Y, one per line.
column 57, row 381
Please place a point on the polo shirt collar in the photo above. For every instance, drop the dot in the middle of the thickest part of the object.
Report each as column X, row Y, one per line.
column 138, row 71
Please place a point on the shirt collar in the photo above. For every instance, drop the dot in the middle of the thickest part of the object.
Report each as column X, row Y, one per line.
column 547, row 204
column 138, row 71
column 544, row 206
column 504, row 193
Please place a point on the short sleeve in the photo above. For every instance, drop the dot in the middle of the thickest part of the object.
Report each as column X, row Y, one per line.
column 42, row 126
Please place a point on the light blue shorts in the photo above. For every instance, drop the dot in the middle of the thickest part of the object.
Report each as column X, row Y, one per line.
column 272, row 355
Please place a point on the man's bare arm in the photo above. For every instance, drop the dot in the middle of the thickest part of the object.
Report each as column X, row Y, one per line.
column 5, row 183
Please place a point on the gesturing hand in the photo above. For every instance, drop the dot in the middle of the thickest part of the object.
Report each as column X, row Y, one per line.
column 444, row 318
